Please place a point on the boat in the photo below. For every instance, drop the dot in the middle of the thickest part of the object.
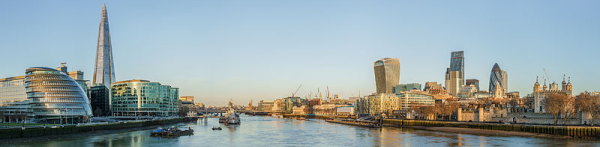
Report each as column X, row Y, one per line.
column 277, row 116
column 362, row 123
column 300, row 118
column 158, row 132
column 231, row 116
column 216, row 128
column 171, row 132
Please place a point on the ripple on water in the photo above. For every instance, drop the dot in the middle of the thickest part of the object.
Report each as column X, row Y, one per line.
column 262, row 131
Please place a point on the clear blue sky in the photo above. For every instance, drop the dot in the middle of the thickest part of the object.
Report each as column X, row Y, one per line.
column 264, row 49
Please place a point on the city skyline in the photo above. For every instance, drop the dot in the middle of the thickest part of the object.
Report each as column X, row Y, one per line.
column 341, row 58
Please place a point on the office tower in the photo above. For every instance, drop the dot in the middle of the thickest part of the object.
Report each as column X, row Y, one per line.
column 498, row 81
column 454, row 83
column 473, row 82
column 104, row 72
column 457, row 63
column 387, row 74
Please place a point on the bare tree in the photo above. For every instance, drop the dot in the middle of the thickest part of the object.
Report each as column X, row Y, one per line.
column 552, row 105
column 568, row 105
column 585, row 102
column 513, row 102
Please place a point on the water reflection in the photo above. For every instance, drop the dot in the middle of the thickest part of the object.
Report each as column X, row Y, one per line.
column 268, row 131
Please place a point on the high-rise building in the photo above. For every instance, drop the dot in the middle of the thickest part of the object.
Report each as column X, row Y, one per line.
column 387, row 74
column 144, row 98
column 100, row 99
column 53, row 95
column 498, row 82
column 457, row 63
column 454, row 83
column 473, row 82
column 105, row 71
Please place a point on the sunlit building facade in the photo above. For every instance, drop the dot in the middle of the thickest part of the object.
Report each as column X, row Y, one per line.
column 53, row 95
column 14, row 105
column 104, row 71
column 412, row 99
column 144, row 98
column 387, row 74
column 498, row 82
column 457, row 63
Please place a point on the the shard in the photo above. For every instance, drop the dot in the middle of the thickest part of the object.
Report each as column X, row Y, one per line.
column 104, row 72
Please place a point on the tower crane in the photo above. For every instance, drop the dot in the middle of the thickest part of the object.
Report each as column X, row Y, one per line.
column 547, row 77
column 293, row 94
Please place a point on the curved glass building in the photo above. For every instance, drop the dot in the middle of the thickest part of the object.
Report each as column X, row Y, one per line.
column 387, row 74
column 53, row 96
column 143, row 98
column 498, row 82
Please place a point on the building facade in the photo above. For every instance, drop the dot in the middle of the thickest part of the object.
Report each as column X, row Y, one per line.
column 53, row 96
column 454, row 84
column 14, row 105
column 540, row 93
column 265, row 105
column 413, row 99
column 407, row 87
column 457, row 63
column 144, row 98
column 100, row 99
column 498, row 82
column 387, row 74
column 473, row 82
column 434, row 88
column 104, row 71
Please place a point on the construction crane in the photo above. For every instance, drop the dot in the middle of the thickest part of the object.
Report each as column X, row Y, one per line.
column 293, row 94
column 547, row 77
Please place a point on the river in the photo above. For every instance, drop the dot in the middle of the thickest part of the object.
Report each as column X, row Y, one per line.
column 264, row 131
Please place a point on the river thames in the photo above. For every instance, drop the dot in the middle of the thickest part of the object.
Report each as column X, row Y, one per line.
column 264, row 131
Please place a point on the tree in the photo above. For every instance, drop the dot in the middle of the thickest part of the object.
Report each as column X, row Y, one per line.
column 552, row 104
column 513, row 102
column 585, row 102
column 568, row 105
column 449, row 108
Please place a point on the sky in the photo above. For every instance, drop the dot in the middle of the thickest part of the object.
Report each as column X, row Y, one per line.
column 265, row 49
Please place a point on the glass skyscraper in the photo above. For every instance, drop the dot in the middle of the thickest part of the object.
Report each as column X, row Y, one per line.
column 457, row 63
column 498, row 82
column 387, row 74
column 104, row 72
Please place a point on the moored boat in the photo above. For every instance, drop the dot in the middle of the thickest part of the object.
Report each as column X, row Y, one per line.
column 171, row 132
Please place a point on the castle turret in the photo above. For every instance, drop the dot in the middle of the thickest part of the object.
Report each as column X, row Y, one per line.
column 564, row 84
column 569, row 87
column 536, row 86
column 544, row 88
